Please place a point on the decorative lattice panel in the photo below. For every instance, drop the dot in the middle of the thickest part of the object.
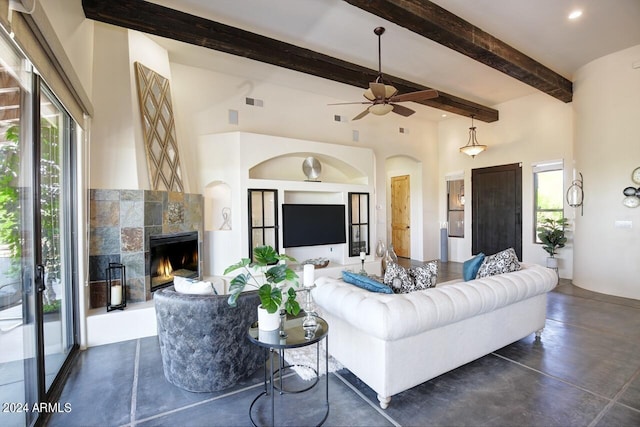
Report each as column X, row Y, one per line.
column 163, row 161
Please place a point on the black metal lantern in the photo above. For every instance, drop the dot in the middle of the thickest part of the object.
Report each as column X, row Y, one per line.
column 116, row 287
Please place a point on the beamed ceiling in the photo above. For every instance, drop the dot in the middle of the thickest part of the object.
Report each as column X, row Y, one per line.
column 421, row 17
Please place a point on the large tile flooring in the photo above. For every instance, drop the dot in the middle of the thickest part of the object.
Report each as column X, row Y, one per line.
column 584, row 372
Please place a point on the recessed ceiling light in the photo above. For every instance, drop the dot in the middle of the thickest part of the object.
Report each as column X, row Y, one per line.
column 444, row 115
column 575, row 14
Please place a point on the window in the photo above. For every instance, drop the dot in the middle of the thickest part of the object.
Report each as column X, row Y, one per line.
column 455, row 207
column 263, row 219
column 548, row 193
column 358, row 223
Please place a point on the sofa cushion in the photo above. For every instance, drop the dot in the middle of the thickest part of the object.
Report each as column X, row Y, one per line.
column 365, row 282
column 397, row 277
column 184, row 285
column 424, row 276
column 471, row 266
column 502, row 262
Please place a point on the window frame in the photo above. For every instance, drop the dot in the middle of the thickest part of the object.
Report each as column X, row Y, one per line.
column 546, row 167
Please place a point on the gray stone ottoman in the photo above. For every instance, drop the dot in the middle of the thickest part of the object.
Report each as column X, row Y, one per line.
column 203, row 341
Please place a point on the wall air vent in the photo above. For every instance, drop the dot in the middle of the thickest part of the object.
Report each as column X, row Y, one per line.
column 254, row 101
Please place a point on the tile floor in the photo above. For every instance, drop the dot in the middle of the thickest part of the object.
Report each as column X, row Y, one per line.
column 584, row 372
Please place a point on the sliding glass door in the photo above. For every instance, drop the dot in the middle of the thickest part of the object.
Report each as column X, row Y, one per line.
column 56, row 245
column 37, row 250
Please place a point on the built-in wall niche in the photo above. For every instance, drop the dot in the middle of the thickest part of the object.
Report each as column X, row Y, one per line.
column 217, row 206
column 288, row 167
column 337, row 252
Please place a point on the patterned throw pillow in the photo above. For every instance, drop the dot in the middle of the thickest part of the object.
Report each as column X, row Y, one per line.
column 502, row 262
column 404, row 281
column 397, row 278
column 425, row 276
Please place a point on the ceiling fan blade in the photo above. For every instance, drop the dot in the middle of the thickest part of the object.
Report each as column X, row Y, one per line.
column 350, row 103
column 361, row 115
column 402, row 110
column 378, row 90
column 415, row 96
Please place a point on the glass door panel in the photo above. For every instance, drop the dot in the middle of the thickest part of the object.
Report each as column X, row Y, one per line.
column 54, row 236
column 18, row 367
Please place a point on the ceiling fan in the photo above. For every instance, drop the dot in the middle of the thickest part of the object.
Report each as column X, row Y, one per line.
column 383, row 98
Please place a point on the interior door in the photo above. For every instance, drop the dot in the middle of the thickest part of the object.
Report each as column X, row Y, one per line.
column 497, row 209
column 400, row 215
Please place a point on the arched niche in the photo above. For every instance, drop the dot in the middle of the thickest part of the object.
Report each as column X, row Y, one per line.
column 288, row 167
column 217, row 206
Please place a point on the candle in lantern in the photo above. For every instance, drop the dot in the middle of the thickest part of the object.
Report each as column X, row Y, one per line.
column 116, row 295
column 308, row 276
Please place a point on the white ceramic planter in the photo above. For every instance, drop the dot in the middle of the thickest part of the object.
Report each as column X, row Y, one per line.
column 552, row 262
column 268, row 321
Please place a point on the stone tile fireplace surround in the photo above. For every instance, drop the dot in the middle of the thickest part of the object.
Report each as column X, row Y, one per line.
column 121, row 223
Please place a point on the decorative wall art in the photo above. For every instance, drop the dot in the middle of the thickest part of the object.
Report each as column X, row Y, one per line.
column 163, row 161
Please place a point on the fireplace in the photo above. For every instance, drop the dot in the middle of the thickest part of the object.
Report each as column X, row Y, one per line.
column 172, row 255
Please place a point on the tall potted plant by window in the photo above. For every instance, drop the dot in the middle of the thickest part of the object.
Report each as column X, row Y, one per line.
column 551, row 233
column 270, row 275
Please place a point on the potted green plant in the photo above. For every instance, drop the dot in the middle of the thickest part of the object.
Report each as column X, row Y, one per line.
column 551, row 233
column 270, row 275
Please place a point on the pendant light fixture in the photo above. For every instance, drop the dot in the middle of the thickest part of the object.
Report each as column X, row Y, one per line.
column 472, row 148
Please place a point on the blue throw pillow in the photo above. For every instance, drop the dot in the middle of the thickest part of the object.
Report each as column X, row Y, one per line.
column 471, row 266
column 365, row 282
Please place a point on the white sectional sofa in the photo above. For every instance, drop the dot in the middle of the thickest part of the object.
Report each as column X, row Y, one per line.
column 394, row 342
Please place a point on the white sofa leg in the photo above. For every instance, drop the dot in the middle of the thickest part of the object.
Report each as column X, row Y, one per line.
column 384, row 401
column 539, row 333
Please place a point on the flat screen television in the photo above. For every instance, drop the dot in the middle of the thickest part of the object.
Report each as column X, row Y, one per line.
column 312, row 225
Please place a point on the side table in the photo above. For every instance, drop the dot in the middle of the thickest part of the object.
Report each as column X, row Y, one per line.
column 276, row 343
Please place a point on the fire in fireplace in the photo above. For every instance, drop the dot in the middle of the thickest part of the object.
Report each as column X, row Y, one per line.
column 172, row 255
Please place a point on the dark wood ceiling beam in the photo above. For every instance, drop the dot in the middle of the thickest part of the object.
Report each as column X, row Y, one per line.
column 161, row 21
column 433, row 22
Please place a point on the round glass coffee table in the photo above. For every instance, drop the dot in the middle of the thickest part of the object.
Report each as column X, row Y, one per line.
column 276, row 342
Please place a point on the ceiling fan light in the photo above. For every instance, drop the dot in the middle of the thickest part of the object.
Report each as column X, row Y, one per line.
column 389, row 91
column 380, row 109
column 369, row 95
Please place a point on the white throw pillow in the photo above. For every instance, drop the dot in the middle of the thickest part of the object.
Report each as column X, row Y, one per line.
column 183, row 285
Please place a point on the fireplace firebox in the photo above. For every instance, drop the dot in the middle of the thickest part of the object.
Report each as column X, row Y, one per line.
column 172, row 255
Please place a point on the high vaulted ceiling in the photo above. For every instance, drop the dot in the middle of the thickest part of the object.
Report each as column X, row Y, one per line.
column 537, row 46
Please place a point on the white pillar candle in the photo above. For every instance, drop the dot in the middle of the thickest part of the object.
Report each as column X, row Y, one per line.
column 363, row 255
column 116, row 295
column 308, row 275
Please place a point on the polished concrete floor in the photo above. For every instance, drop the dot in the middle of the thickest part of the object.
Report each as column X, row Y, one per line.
column 584, row 372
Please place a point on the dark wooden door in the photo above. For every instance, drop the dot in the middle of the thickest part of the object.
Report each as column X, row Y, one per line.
column 497, row 209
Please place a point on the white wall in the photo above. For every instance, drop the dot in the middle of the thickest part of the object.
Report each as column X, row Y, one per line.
column 203, row 98
column 607, row 109
column 75, row 33
column 530, row 130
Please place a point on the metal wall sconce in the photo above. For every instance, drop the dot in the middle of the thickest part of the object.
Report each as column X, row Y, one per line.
column 116, row 286
column 575, row 193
